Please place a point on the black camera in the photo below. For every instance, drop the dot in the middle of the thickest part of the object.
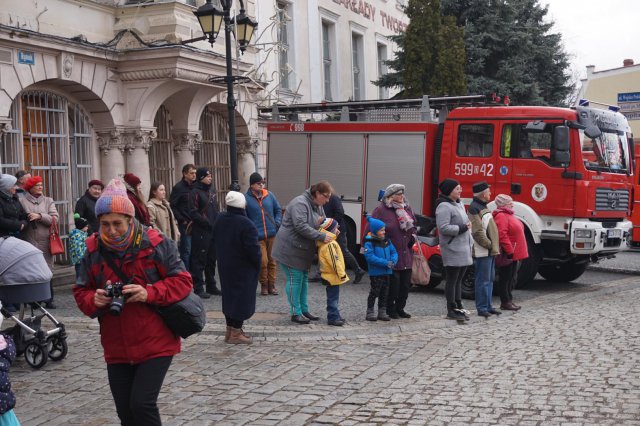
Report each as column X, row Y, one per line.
column 117, row 297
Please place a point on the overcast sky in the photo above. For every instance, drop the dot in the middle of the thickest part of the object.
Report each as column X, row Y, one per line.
column 597, row 32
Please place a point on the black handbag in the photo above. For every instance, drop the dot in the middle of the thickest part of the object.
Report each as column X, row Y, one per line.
column 184, row 318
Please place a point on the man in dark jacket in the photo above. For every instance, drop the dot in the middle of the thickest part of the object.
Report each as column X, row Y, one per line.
column 335, row 210
column 266, row 214
column 86, row 205
column 203, row 211
column 179, row 200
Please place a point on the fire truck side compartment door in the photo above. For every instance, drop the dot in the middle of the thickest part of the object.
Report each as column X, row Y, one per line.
column 338, row 158
column 396, row 158
column 287, row 165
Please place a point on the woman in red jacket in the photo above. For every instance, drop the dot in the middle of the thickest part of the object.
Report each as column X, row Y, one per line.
column 513, row 243
column 138, row 346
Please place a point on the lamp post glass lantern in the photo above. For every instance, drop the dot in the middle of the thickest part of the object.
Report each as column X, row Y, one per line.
column 210, row 16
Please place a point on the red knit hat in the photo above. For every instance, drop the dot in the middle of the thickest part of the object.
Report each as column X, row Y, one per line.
column 132, row 179
column 31, row 182
column 114, row 200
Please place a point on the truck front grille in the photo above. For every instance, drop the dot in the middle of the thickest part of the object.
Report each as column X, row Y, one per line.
column 612, row 200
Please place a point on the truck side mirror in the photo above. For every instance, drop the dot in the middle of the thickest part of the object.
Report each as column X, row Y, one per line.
column 561, row 138
column 561, row 158
column 592, row 132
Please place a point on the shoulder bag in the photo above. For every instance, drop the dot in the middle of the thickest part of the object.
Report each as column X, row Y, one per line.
column 420, row 271
column 183, row 318
column 55, row 243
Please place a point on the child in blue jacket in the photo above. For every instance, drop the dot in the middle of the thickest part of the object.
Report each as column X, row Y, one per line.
column 381, row 257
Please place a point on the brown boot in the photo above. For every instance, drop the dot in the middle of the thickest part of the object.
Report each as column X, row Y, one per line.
column 264, row 289
column 227, row 334
column 237, row 337
column 272, row 289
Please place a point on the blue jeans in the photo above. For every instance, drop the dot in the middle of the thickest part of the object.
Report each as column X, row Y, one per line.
column 485, row 273
column 333, row 298
column 184, row 246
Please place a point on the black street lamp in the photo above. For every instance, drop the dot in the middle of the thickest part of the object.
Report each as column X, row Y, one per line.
column 210, row 16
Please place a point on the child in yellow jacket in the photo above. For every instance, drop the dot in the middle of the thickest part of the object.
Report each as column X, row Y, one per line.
column 332, row 270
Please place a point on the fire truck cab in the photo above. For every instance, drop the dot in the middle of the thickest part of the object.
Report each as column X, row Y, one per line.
column 569, row 171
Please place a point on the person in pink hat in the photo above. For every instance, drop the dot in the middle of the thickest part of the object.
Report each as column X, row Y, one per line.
column 513, row 243
column 144, row 266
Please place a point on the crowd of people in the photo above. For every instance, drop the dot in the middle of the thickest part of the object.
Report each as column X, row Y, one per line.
column 153, row 253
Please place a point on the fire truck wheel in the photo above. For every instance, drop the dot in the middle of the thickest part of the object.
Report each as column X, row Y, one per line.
column 469, row 284
column 563, row 272
column 529, row 267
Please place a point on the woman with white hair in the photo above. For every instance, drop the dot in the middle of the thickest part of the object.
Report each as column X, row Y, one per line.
column 513, row 244
column 239, row 261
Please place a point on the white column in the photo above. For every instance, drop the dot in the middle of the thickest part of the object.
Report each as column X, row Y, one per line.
column 138, row 143
column 186, row 144
column 112, row 147
column 246, row 161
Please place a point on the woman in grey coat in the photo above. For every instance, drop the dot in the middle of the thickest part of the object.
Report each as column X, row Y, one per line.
column 455, row 244
column 295, row 246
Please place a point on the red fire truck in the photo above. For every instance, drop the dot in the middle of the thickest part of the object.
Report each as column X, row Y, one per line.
column 569, row 171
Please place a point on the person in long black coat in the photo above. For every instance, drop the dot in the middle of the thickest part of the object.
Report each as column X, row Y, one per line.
column 239, row 260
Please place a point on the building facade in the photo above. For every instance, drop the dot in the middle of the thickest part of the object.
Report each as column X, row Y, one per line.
column 617, row 86
column 97, row 88
column 324, row 50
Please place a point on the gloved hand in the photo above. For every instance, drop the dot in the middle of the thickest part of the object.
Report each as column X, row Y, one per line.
column 390, row 265
column 510, row 256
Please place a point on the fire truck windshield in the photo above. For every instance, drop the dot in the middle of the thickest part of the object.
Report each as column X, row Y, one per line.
column 607, row 152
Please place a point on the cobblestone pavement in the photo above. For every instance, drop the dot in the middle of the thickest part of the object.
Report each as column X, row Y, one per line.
column 571, row 356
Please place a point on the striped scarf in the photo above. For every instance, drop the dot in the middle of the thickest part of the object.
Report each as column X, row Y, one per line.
column 121, row 244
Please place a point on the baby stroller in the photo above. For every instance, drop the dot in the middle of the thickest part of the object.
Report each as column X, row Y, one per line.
column 24, row 280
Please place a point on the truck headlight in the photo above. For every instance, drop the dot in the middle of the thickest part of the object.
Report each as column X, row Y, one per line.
column 584, row 233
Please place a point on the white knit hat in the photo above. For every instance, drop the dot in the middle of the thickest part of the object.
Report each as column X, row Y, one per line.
column 235, row 199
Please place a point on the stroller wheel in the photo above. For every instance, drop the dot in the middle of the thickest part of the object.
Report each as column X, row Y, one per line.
column 36, row 354
column 57, row 347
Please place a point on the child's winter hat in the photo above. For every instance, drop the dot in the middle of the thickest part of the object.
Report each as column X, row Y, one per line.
column 375, row 224
column 329, row 224
column 114, row 200
column 81, row 222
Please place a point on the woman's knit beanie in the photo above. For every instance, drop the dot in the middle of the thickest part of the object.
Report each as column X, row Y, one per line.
column 31, row 182
column 392, row 189
column 7, row 181
column 447, row 186
column 503, row 200
column 114, row 200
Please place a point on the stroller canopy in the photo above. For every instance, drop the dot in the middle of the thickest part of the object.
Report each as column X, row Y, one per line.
column 22, row 263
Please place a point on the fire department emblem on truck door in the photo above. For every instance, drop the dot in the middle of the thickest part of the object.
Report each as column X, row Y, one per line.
column 539, row 192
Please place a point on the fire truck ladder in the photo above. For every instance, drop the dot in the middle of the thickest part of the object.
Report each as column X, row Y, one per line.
column 424, row 109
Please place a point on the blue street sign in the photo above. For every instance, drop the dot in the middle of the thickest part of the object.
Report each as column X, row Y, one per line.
column 629, row 97
column 28, row 58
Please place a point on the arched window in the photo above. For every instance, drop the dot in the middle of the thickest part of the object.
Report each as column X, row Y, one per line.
column 214, row 151
column 53, row 138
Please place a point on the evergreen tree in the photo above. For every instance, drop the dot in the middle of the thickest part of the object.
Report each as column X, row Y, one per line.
column 430, row 57
column 511, row 50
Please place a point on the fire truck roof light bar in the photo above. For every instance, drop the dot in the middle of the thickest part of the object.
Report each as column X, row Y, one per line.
column 586, row 102
column 360, row 106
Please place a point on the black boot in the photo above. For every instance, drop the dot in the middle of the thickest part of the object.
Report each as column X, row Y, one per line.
column 359, row 274
column 213, row 289
column 462, row 310
column 454, row 313
column 371, row 314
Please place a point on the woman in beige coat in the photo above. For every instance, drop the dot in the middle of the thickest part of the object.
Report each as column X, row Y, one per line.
column 162, row 217
column 41, row 211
